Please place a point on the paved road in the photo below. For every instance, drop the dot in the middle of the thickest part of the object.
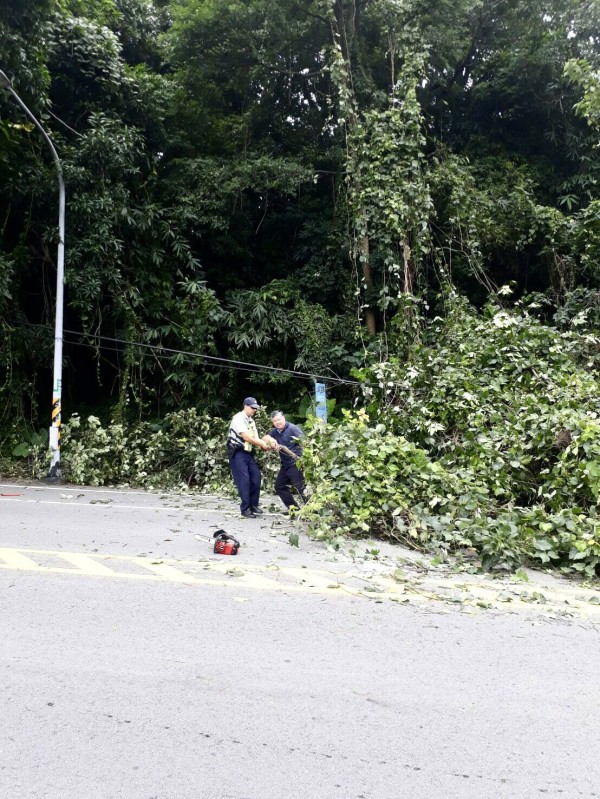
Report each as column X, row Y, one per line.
column 136, row 664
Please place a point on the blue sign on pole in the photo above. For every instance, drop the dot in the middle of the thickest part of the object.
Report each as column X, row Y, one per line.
column 321, row 401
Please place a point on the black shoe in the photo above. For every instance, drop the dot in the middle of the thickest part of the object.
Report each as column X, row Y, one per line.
column 256, row 510
column 247, row 514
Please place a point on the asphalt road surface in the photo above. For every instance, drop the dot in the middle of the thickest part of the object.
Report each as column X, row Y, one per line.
column 135, row 663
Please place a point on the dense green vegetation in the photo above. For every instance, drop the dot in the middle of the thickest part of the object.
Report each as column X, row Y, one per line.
column 401, row 194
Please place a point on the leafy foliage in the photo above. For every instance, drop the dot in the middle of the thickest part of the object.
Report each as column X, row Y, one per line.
column 488, row 437
column 186, row 449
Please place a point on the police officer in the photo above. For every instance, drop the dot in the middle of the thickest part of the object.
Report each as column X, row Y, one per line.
column 243, row 435
column 288, row 435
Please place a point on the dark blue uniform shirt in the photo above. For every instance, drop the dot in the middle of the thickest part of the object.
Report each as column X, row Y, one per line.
column 285, row 437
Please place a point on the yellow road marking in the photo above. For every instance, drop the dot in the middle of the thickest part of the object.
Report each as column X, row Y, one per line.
column 168, row 573
column 16, row 560
column 87, row 565
column 231, row 573
column 235, row 573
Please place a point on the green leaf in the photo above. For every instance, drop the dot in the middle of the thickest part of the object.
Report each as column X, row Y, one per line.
column 22, row 450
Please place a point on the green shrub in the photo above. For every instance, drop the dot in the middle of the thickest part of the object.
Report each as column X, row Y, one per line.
column 185, row 449
column 488, row 436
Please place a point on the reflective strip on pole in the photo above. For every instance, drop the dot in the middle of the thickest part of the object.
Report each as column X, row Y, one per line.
column 55, row 429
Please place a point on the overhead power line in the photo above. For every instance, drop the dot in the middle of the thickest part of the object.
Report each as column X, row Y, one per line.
column 213, row 360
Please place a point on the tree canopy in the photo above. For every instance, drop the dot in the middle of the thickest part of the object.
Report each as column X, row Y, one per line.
column 272, row 181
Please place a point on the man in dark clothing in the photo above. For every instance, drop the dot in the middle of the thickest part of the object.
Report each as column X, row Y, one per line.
column 287, row 435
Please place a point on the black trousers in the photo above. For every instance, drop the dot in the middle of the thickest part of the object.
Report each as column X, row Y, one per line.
column 247, row 478
column 289, row 476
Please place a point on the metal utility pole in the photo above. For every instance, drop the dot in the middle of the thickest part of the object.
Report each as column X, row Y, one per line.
column 60, row 281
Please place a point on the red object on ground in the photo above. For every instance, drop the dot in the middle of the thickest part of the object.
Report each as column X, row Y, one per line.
column 225, row 544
